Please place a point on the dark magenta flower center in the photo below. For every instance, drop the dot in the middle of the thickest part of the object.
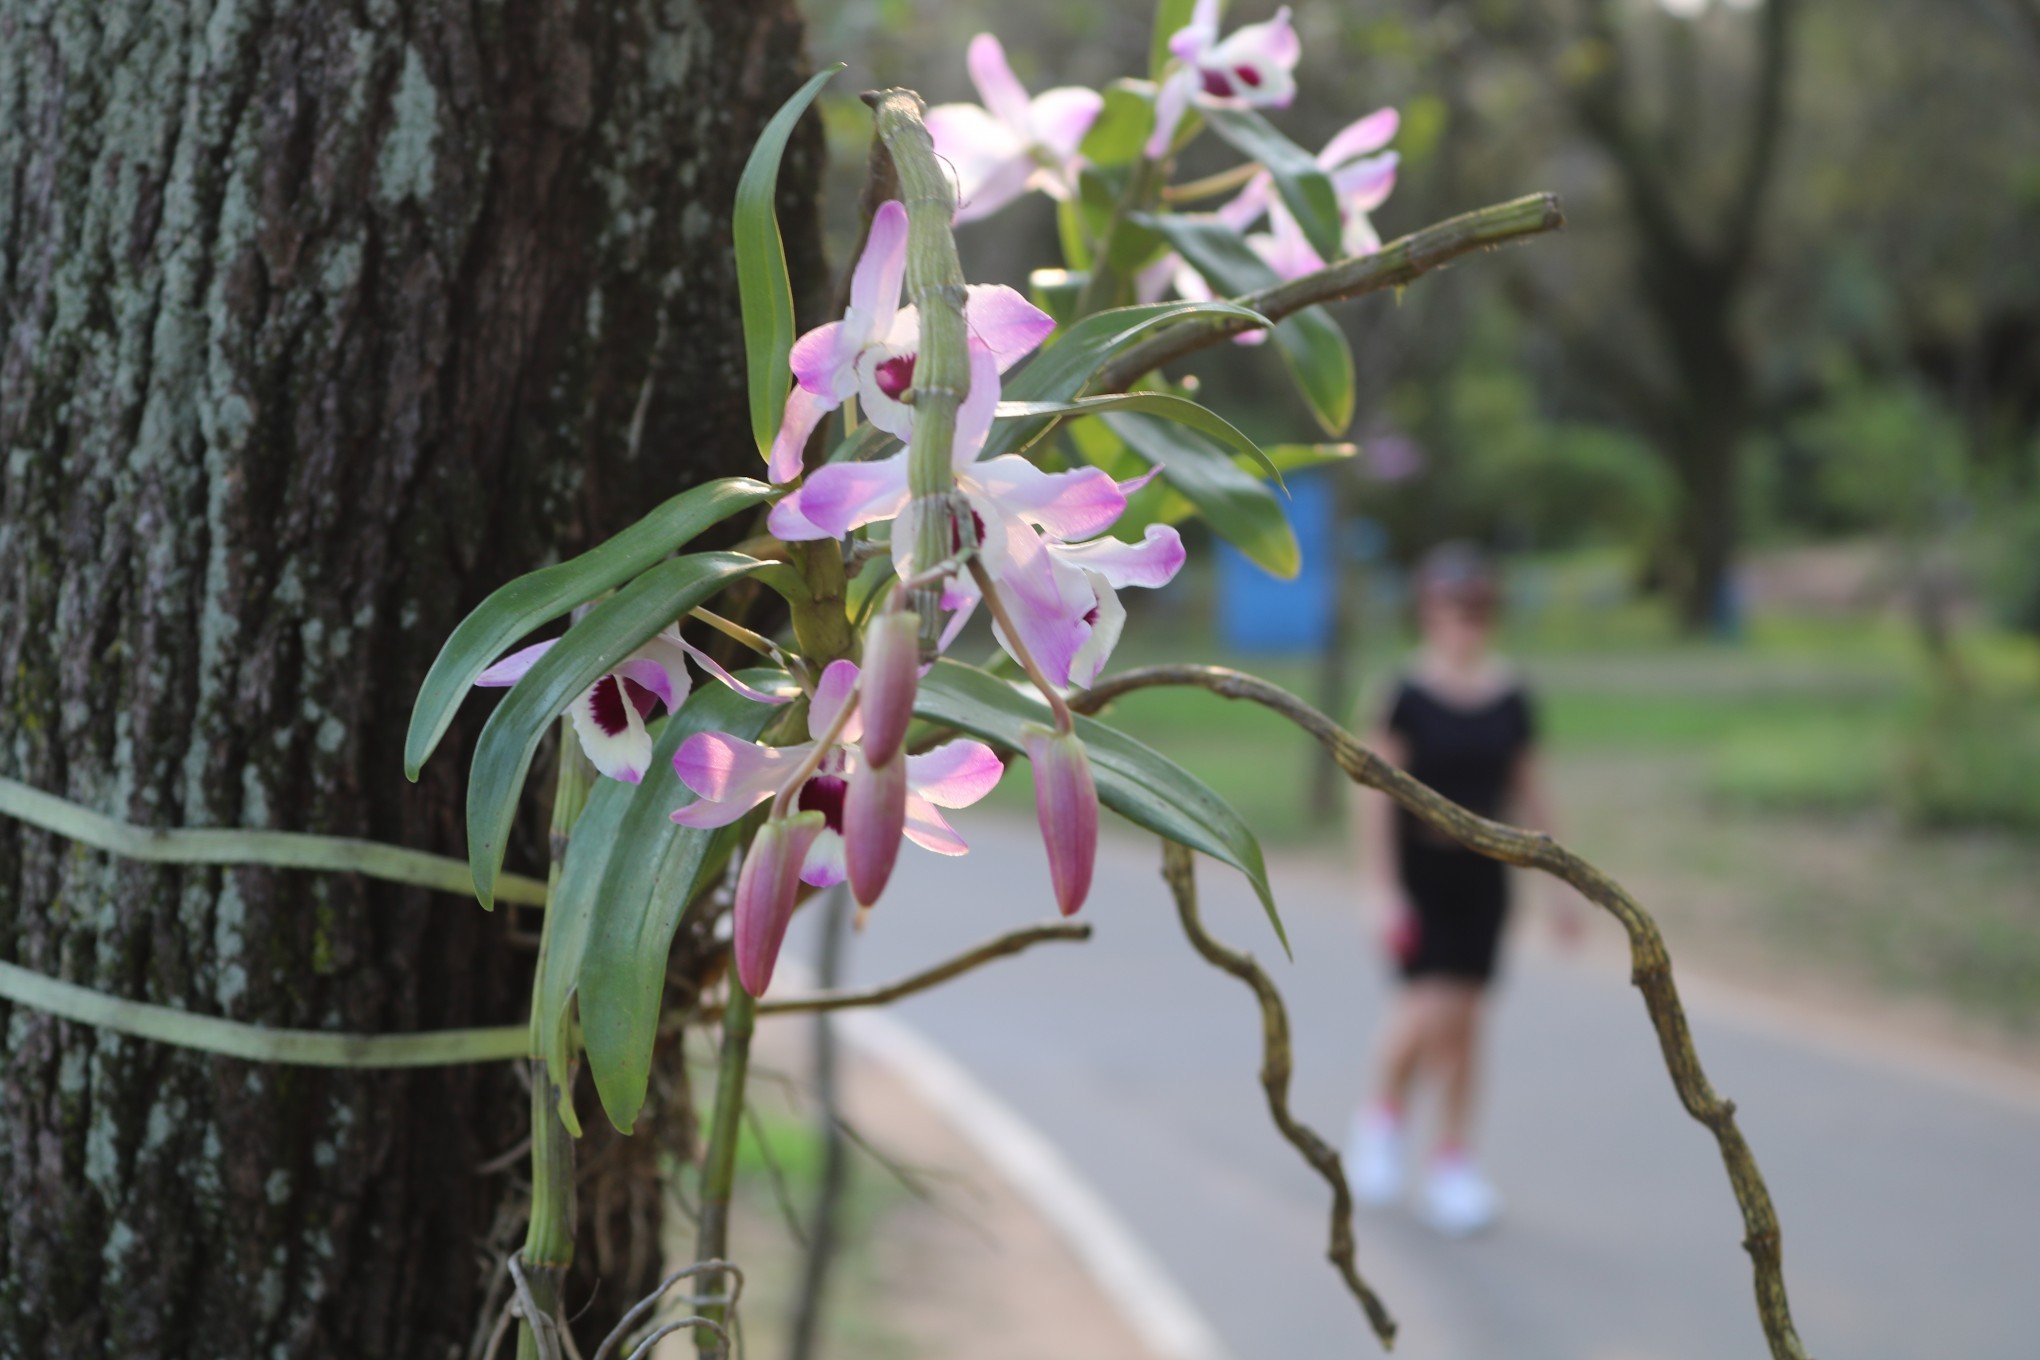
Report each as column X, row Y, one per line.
column 606, row 703
column 1248, row 76
column 1216, row 85
column 824, row 794
column 896, row 375
column 956, row 536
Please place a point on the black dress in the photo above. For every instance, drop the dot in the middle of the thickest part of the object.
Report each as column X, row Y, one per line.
column 1460, row 899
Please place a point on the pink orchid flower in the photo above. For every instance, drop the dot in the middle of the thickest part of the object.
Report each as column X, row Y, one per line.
column 609, row 716
column 870, row 353
column 1362, row 175
column 1361, row 179
column 1012, row 143
column 1255, row 67
column 1064, row 600
column 1037, row 536
column 732, row 776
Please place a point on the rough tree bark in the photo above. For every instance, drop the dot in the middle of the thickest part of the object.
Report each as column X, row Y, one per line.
column 316, row 322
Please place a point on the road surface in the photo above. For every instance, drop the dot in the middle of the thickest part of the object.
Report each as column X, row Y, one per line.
column 1910, row 1199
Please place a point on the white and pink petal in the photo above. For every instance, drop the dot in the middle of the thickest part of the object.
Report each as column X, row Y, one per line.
column 1061, row 118
column 881, row 269
column 1004, row 322
column 843, row 496
column 612, row 730
column 804, row 411
column 511, row 668
column 955, row 774
column 1150, row 563
column 833, row 690
column 824, row 866
column 1000, row 89
column 1072, row 504
column 1361, row 137
column 730, row 776
column 1107, row 621
column 927, row 828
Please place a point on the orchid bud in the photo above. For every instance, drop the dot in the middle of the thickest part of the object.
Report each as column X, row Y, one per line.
column 1066, row 802
column 892, row 667
column 766, row 888
column 874, row 819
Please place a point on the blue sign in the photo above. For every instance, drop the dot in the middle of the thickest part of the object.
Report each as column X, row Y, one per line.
column 1258, row 612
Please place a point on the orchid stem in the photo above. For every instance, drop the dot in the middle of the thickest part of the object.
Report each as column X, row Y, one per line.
column 1211, row 186
column 1102, row 289
column 813, row 760
column 736, row 632
column 922, row 579
column 549, row 1235
column 1399, row 262
column 719, row 1164
column 1064, row 722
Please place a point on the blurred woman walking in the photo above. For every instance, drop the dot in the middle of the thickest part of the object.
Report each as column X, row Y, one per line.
column 1461, row 721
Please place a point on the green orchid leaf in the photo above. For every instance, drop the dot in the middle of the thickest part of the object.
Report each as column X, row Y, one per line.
column 513, row 610
column 1238, row 506
column 1140, row 784
column 763, row 291
column 569, row 916
column 1120, row 131
column 1167, row 405
column 1310, row 341
column 1305, row 188
column 611, row 631
column 628, row 896
column 1161, row 503
column 1060, row 371
column 1303, row 457
column 1170, row 15
column 862, row 445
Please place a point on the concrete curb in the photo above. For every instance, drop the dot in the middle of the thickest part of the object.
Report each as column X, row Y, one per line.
column 1167, row 1321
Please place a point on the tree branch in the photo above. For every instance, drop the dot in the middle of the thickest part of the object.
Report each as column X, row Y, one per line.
column 1651, row 964
column 1395, row 264
column 1012, row 942
column 1180, row 873
column 1767, row 123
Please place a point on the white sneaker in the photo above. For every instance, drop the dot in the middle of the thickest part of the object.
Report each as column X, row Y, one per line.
column 1374, row 1158
column 1458, row 1200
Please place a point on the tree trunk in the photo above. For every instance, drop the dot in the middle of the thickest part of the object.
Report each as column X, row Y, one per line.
column 1707, row 458
column 316, row 323
column 1693, row 300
